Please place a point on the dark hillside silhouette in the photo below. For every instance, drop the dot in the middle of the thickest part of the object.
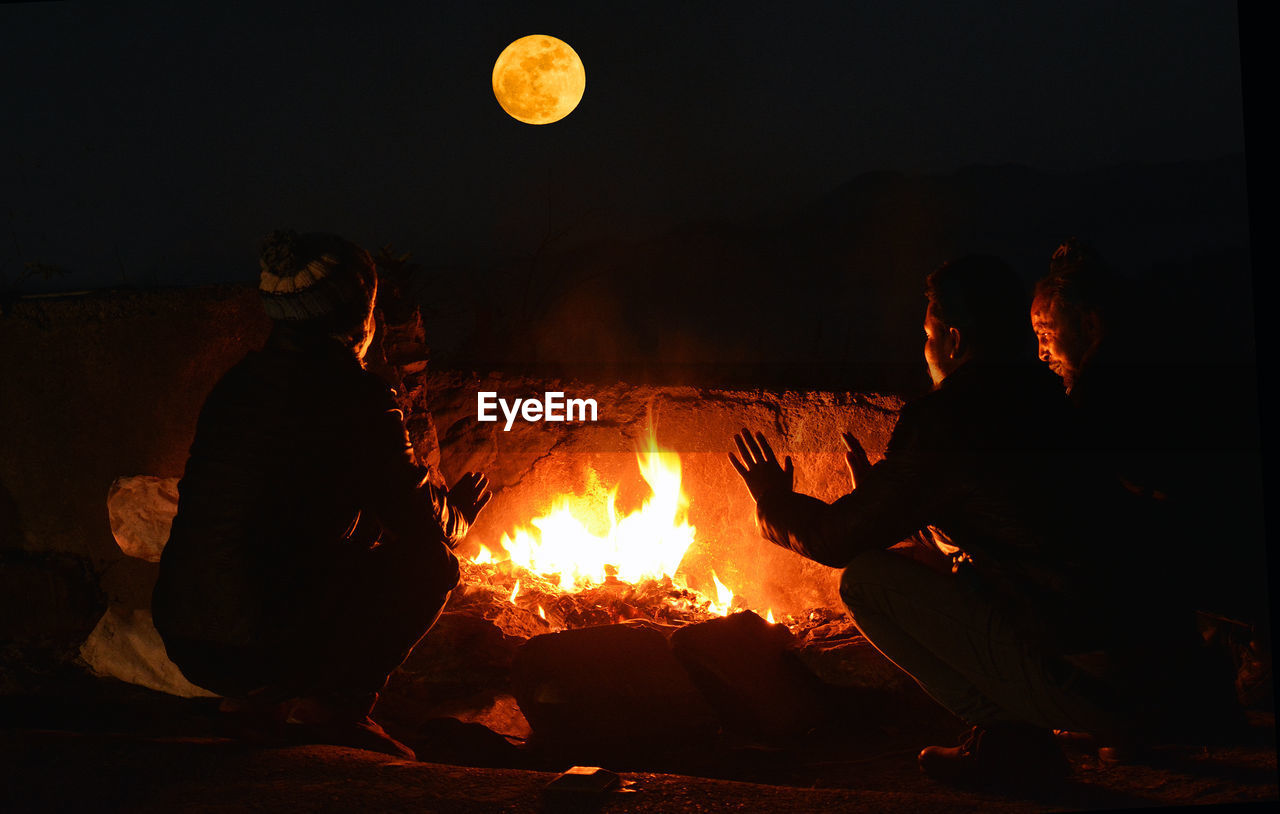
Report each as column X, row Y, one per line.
column 827, row 295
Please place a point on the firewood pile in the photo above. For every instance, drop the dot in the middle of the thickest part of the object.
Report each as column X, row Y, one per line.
column 532, row 604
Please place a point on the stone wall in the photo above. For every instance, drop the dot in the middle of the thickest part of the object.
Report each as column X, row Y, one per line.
column 92, row 388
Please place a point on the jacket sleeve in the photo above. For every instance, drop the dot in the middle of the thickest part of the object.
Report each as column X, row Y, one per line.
column 895, row 499
column 396, row 487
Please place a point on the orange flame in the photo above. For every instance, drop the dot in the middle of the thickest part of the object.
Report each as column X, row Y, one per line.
column 648, row 543
column 723, row 602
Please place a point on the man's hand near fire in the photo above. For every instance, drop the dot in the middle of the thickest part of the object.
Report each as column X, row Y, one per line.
column 759, row 467
column 856, row 458
column 470, row 494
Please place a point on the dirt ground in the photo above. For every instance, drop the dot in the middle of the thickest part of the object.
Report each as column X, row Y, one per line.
column 113, row 747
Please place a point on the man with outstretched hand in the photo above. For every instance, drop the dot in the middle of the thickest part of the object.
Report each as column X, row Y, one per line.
column 1039, row 622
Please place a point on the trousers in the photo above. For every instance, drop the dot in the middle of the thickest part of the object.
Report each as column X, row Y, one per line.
column 986, row 665
column 339, row 627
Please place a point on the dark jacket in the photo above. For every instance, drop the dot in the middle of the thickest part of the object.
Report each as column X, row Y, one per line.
column 991, row 458
column 1185, row 436
column 300, row 459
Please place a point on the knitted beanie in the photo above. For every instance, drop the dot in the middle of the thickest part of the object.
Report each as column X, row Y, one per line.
column 313, row 277
column 1073, row 256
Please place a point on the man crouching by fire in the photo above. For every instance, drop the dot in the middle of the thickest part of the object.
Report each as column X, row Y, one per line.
column 310, row 552
column 1047, row 615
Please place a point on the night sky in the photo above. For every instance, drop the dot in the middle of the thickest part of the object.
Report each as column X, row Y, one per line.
column 155, row 143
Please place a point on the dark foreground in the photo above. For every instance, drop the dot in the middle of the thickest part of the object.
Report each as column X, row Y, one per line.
column 116, row 748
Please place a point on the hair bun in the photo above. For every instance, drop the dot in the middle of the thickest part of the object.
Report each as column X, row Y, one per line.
column 278, row 253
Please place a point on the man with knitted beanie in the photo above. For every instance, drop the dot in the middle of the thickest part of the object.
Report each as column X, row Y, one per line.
column 310, row 551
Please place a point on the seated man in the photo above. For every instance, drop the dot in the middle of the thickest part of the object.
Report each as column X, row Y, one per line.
column 310, row 552
column 1117, row 399
column 1071, row 310
column 1044, row 579
column 1130, row 385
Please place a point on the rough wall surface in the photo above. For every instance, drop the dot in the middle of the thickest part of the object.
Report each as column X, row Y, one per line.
column 92, row 388
column 101, row 386
column 96, row 387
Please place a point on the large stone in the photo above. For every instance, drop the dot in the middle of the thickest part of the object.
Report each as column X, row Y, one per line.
column 499, row 712
column 462, row 649
column 608, row 684
column 747, row 673
column 141, row 509
column 47, row 599
column 49, row 602
column 838, row 654
column 127, row 646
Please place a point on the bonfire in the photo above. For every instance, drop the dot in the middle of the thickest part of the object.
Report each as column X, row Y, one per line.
column 585, row 562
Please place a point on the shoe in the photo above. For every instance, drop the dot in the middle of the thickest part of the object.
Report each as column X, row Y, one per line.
column 1124, row 752
column 253, row 718
column 1070, row 738
column 321, row 720
column 368, row 734
column 1006, row 755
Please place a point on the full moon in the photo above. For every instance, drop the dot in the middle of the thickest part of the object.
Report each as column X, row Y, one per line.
column 538, row 79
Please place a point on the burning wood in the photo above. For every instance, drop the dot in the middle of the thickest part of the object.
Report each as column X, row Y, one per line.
column 491, row 589
column 572, row 577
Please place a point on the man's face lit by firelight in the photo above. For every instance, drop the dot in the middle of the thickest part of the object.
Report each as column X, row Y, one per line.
column 1060, row 342
column 939, row 347
column 370, row 326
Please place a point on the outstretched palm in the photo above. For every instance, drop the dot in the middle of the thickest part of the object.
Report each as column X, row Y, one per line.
column 470, row 494
column 759, row 467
